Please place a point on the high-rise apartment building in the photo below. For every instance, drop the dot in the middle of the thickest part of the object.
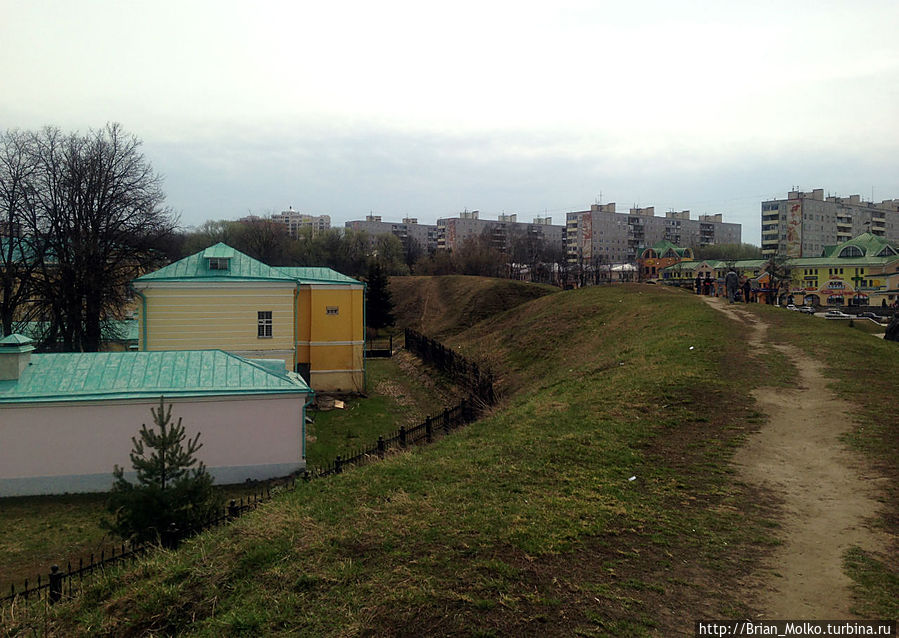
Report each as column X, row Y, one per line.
column 294, row 221
column 804, row 224
column 605, row 235
column 452, row 232
column 409, row 231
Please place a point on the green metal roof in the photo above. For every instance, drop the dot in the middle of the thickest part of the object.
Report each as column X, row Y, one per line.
column 87, row 376
column 16, row 343
column 219, row 250
column 869, row 245
column 661, row 247
column 683, row 265
column 313, row 275
column 240, row 268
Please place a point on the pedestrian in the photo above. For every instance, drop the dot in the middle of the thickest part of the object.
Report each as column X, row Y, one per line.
column 731, row 283
column 746, row 290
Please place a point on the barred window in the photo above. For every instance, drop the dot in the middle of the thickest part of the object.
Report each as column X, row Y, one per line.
column 264, row 323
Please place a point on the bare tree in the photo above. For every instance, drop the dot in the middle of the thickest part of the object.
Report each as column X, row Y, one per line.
column 99, row 211
column 18, row 250
column 263, row 239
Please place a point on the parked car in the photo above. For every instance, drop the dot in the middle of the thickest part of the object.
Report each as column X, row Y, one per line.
column 837, row 314
column 792, row 307
column 868, row 315
column 809, row 310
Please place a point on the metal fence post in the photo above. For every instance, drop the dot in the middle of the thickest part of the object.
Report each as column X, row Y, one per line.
column 403, row 435
column 55, row 584
column 337, row 465
column 381, row 446
column 446, row 423
column 429, row 430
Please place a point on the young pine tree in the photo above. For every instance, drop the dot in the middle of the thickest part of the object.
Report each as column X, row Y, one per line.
column 173, row 487
column 379, row 310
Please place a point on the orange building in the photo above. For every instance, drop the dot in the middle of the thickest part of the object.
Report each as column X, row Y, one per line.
column 659, row 256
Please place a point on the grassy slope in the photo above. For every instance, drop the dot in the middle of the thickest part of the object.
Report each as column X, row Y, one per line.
column 525, row 522
column 440, row 306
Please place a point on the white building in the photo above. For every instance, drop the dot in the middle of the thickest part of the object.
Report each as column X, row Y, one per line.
column 66, row 419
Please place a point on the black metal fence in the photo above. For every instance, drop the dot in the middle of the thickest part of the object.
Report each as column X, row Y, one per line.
column 379, row 348
column 478, row 380
column 59, row 584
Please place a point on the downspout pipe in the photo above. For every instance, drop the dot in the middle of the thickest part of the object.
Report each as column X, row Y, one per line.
column 309, row 400
column 364, row 334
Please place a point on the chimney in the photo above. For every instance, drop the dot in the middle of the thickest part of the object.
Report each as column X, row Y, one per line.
column 15, row 354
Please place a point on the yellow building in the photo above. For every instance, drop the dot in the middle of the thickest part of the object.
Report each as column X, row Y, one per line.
column 310, row 318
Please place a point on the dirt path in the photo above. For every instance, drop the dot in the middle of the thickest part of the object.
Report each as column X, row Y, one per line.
column 829, row 497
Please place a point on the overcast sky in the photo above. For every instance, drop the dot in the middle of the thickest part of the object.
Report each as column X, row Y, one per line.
column 424, row 109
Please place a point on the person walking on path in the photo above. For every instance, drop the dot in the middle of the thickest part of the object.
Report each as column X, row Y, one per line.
column 731, row 283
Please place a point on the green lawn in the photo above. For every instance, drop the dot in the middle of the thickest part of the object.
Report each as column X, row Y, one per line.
column 398, row 394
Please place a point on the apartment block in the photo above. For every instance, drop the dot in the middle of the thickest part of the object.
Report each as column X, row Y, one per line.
column 408, row 231
column 805, row 223
column 604, row 234
column 452, row 232
column 294, row 221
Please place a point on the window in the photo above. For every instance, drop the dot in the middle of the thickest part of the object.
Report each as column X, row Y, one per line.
column 332, row 310
column 264, row 324
column 218, row 263
column 851, row 251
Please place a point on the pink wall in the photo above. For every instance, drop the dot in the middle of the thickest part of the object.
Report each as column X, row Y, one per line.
column 83, row 439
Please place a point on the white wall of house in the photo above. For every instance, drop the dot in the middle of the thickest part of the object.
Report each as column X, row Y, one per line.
column 61, row 447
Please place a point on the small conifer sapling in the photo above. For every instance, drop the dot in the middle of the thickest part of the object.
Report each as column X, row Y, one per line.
column 173, row 488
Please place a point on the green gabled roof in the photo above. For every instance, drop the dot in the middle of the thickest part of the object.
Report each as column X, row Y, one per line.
column 314, row 275
column 869, row 245
column 240, row 268
column 91, row 376
column 663, row 246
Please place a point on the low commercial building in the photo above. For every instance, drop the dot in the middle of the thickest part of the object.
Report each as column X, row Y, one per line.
column 856, row 272
column 66, row 419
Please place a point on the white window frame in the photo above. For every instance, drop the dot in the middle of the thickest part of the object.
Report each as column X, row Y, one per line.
column 264, row 324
